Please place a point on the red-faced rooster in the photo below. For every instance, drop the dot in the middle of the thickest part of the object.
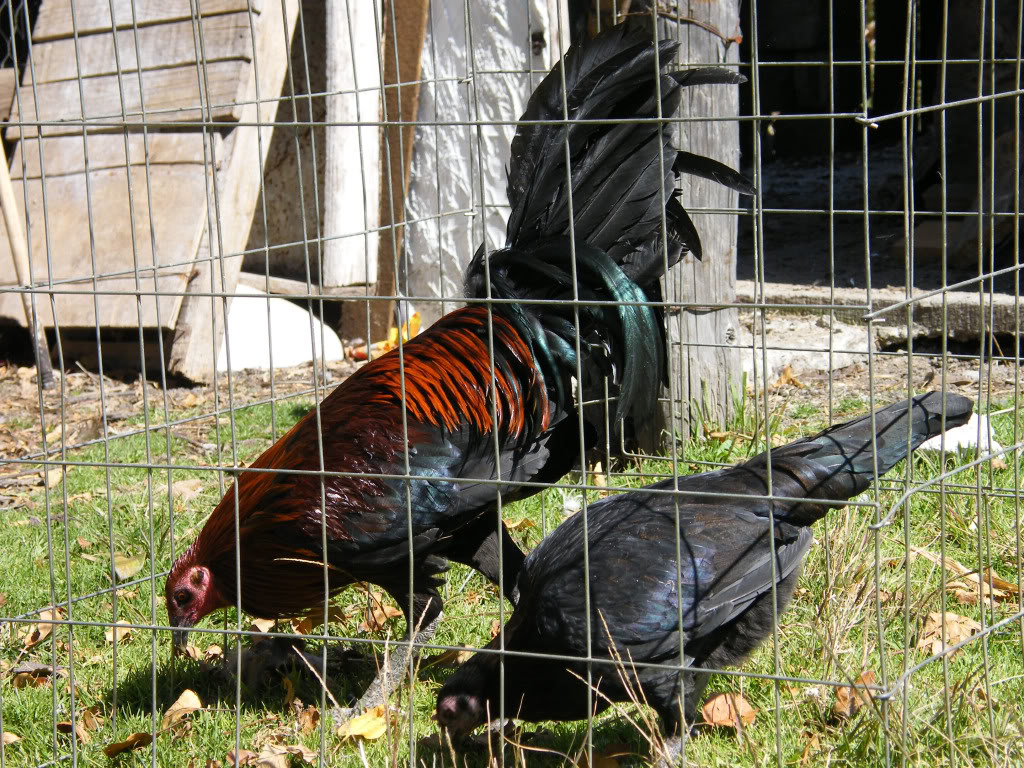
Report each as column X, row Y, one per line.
column 461, row 423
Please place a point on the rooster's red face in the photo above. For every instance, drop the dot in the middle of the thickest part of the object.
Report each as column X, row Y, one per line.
column 191, row 594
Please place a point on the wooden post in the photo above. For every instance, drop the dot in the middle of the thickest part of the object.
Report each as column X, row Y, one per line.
column 19, row 252
column 704, row 363
column 352, row 176
column 405, row 28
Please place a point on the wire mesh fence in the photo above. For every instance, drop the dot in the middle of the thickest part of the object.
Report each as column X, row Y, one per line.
column 229, row 207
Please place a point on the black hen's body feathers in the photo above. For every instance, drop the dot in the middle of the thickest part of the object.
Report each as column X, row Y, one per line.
column 721, row 586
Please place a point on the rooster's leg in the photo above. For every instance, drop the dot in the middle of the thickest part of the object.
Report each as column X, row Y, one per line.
column 427, row 615
column 476, row 545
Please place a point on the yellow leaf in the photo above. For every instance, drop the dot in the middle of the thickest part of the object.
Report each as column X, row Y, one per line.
column 262, row 625
column 788, row 377
column 118, row 632
column 370, row 725
column 850, row 700
column 135, row 741
column 495, row 628
column 125, row 567
column 523, row 522
column 52, row 477
column 186, row 704
column 728, row 710
column 189, row 400
column 9, row 738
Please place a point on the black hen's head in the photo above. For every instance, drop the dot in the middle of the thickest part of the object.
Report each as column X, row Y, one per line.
column 469, row 698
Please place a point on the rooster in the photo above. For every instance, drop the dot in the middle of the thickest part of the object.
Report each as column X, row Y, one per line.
column 412, row 443
column 689, row 565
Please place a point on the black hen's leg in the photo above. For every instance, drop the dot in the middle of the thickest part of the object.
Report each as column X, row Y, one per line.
column 420, row 628
column 476, row 545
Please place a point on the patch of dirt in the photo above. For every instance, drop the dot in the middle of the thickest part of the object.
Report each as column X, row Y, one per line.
column 73, row 412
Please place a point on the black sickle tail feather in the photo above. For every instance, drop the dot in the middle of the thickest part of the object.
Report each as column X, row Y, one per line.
column 623, row 172
column 840, row 462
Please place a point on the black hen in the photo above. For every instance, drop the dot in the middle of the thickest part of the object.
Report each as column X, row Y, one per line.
column 725, row 576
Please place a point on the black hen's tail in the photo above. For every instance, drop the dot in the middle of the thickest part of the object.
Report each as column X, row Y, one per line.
column 619, row 188
column 840, row 462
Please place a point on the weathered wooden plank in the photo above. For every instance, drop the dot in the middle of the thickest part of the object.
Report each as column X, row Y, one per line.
column 200, row 326
column 705, row 364
column 402, row 69
column 178, row 194
column 224, row 37
column 8, row 80
column 171, row 95
column 283, row 286
column 63, row 155
column 55, row 18
column 352, row 176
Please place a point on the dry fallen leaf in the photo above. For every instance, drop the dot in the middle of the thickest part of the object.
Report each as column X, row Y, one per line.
column 849, row 700
column 52, row 477
column 606, row 758
column 135, row 741
column 244, row 757
column 725, row 709
column 453, row 658
column 186, row 490
column 44, row 628
column 377, row 617
column 811, row 748
column 212, row 652
column 9, row 738
column 125, row 567
column 289, row 691
column 495, row 628
column 79, row 728
column 84, row 543
column 262, row 625
column 186, row 704
column 520, row 524
column 189, row 400
column 308, row 719
column 788, row 377
column 118, row 631
column 315, row 618
column 277, row 755
column 370, row 725
column 958, row 629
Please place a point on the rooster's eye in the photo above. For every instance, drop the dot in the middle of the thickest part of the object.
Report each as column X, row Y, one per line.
column 182, row 597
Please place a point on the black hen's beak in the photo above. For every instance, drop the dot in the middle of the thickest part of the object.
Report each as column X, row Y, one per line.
column 179, row 637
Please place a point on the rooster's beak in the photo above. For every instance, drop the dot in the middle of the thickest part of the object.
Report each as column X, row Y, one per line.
column 179, row 637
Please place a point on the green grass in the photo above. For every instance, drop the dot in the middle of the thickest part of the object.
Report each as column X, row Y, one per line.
column 831, row 632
